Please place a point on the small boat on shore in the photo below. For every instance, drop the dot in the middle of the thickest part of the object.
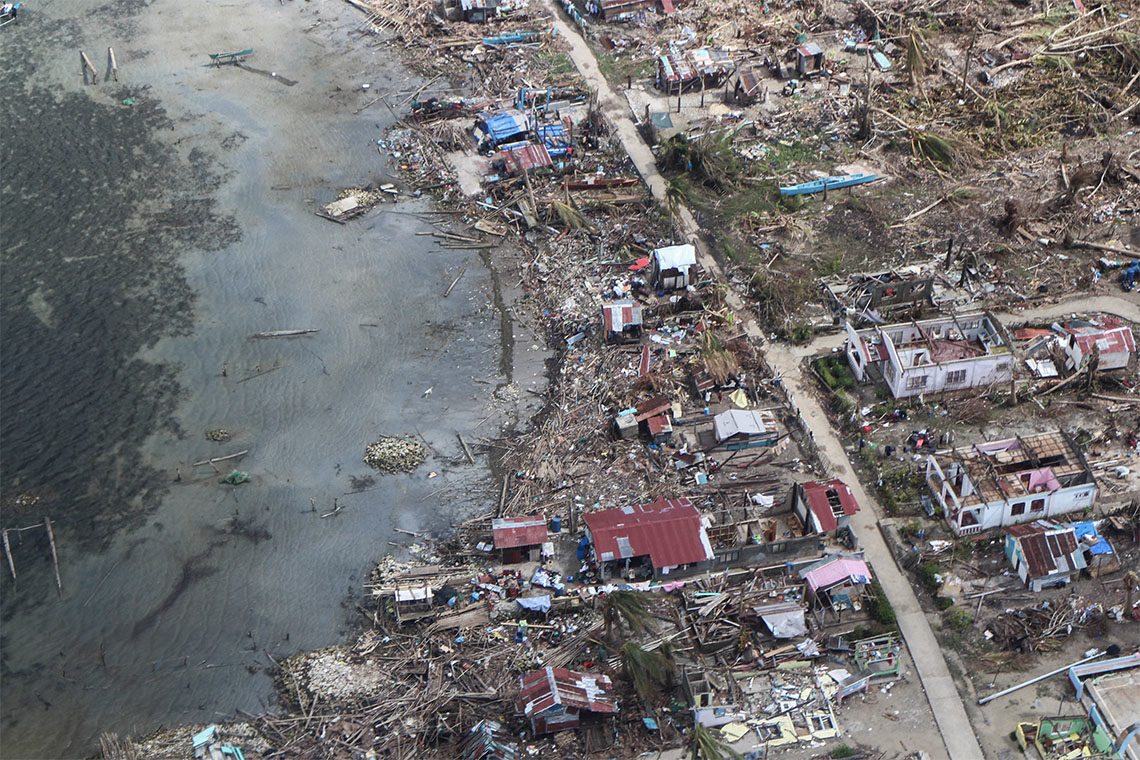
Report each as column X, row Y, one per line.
column 828, row 183
column 238, row 57
column 8, row 13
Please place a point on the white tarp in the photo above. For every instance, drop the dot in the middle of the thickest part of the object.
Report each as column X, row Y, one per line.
column 786, row 625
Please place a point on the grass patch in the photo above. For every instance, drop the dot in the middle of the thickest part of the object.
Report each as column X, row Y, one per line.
column 928, row 574
column 617, row 69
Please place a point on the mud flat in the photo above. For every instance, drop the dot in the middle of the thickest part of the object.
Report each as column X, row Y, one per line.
column 150, row 226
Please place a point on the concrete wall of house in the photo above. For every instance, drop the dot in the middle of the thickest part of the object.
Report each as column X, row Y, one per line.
column 855, row 356
column 1032, row 507
column 951, row 376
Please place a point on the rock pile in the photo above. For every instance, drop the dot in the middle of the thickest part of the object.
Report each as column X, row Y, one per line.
column 218, row 435
column 390, row 454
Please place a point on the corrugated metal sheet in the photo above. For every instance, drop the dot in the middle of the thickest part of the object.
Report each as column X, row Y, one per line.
column 503, row 125
column 553, row 697
column 819, row 497
column 510, row 532
column 670, row 533
column 621, row 314
column 1047, row 551
column 528, row 157
column 743, row 422
column 837, row 569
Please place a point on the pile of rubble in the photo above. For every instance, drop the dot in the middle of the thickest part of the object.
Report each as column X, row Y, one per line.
column 392, row 454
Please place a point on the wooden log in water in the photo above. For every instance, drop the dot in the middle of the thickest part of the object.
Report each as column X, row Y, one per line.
column 8, row 553
column 54, row 555
column 114, row 64
column 220, row 459
column 283, row 333
column 89, row 66
column 466, row 448
column 455, row 282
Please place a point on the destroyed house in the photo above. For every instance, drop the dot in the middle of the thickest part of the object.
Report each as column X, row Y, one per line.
column 933, row 355
column 684, row 70
column 672, row 267
column 1108, row 689
column 1111, row 341
column 479, row 11
column 501, row 127
column 824, row 507
column 737, row 429
column 413, row 602
column 1043, row 554
column 612, row 9
column 1018, row 480
column 663, row 537
column 519, row 538
column 487, row 741
column 809, row 59
column 749, row 86
column 554, row 699
column 621, row 320
column 837, row 582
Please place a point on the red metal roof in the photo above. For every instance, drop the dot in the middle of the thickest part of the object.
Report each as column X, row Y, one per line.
column 529, row 157
column 1042, row 548
column 820, row 498
column 541, row 690
column 1112, row 341
column 519, row 531
column 651, row 407
column 659, row 424
column 670, row 533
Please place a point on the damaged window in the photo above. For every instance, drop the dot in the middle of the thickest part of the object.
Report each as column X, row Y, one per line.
column 915, row 382
column 1038, row 505
column 1018, row 509
column 956, row 377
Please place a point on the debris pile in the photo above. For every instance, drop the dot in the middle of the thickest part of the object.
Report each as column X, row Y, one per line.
column 392, row 454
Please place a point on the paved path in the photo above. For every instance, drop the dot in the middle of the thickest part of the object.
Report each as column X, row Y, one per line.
column 945, row 702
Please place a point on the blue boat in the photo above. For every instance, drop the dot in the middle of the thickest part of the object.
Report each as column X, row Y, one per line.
column 828, row 183
column 8, row 13
column 510, row 39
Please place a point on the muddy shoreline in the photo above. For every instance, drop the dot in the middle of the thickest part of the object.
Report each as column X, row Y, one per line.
column 175, row 226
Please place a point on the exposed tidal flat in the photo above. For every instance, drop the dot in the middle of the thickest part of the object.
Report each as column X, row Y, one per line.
column 142, row 245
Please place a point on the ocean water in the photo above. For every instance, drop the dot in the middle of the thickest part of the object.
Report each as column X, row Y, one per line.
column 140, row 246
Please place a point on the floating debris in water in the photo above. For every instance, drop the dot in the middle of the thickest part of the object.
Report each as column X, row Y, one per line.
column 219, row 435
column 391, row 454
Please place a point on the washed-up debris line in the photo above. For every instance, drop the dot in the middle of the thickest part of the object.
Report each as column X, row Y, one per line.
column 392, row 454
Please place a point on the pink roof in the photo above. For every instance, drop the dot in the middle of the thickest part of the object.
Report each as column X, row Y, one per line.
column 519, row 531
column 670, row 533
column 542, row 689
column 839, row 569
column 1116, row 340
column 819, row 497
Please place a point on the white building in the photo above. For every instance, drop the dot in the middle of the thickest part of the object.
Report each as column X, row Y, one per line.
column 932, row 356
column 992, row 485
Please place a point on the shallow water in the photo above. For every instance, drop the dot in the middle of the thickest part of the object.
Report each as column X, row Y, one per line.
column 142, row 245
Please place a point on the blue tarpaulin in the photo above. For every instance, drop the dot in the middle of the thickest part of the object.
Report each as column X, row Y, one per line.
column 503, row 125
column 535, row 603
column 1083, row 529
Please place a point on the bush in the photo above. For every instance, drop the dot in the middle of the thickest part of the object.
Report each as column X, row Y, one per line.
column 843, row 404
column 957, row 618
column 943, row 602
column 842, row 751
column 927, row 574
column 881, row 610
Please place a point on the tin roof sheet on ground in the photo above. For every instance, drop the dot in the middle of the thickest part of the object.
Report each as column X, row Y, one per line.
column 824, row 499
column 542, row 689
column 828, row 572
column 510, row 532
column 670, row 533
column 742, row 421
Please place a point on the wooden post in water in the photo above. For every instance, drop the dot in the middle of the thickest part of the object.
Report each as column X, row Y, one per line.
column 8, row 553
column 89, row 66
column 54, row 556
column 114, row 64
